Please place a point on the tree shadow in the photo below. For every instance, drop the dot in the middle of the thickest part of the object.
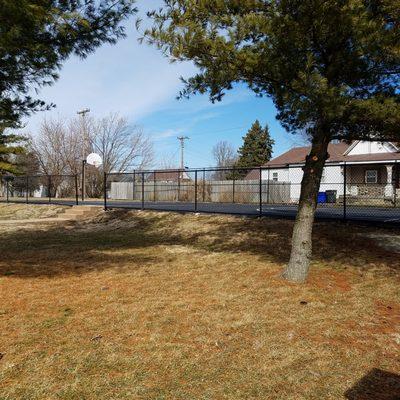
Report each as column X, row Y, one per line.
column 125, row 237
column 376, row 385
column 343, row 245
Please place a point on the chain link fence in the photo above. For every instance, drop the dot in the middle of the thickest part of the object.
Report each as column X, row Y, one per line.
column 357, row 191
column 54, row 189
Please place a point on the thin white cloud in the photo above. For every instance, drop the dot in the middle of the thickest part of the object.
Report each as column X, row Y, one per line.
column 135, row 81
column 130, row 78
column 201, row 103
column 167, row 134
column 187, row 126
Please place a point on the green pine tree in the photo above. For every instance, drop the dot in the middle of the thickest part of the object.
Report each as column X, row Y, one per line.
column 332, row 69
column 257, row 147
column 11, row 146
column 37, row 36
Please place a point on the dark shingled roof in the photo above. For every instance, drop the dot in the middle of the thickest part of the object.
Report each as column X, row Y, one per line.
column 336, row 151
column 253, row 175
column 297, row 155
column 168, row 176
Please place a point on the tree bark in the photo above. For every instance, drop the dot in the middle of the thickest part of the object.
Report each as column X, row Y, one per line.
column 300, row 256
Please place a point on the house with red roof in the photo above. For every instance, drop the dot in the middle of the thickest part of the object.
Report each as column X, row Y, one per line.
column 168, row 176
column 362, row 170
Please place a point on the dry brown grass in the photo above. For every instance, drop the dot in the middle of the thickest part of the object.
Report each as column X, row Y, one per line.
column 28, row 211
column 142, row 305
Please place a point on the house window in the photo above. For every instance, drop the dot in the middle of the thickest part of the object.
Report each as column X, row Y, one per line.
column 371, row 176
column 275, row 176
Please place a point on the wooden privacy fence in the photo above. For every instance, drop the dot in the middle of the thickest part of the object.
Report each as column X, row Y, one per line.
column 227, row 191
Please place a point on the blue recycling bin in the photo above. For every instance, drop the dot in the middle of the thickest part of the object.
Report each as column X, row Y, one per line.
column 321, row 197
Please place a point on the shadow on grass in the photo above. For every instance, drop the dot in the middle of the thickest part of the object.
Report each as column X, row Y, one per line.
column 376, row 385
column 61, row 251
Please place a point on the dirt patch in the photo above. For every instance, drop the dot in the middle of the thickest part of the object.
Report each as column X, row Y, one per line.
column 387, row 317
column 331, row 280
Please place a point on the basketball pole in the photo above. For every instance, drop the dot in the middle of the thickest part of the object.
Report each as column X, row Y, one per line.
column 83, row 113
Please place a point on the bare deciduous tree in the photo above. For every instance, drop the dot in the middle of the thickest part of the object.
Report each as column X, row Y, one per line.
column 168, row 161
column 225, row 156
column 77, row 144
column 49, row 146
column 60, row 145
column 121, row 146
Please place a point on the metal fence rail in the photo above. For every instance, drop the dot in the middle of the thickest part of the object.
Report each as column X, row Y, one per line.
column 53, row 189
column 357, row 191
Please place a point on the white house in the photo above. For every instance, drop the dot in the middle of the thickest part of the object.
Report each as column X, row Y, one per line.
column 371, row 170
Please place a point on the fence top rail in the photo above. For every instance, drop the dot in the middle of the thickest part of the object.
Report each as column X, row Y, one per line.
column 206, row 169
column 187, row 170
column 248, row 169
column 11, row 177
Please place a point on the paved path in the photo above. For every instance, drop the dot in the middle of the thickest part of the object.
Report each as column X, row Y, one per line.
column 386, row 215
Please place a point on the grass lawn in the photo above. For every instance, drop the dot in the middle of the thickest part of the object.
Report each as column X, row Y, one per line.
column 28, row 211
column 145, row 305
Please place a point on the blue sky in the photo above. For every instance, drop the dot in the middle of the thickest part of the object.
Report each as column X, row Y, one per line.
column 139, row 83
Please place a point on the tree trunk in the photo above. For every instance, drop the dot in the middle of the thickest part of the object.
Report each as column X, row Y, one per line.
column 300, row 256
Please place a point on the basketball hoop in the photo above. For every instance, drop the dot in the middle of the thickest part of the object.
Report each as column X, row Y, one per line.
column 94, row 159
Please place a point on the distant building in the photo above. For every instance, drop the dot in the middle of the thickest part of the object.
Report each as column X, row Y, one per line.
column 372, row 170
column 168, row 176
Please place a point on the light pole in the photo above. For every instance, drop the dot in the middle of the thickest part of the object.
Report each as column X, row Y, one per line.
column 83, row 113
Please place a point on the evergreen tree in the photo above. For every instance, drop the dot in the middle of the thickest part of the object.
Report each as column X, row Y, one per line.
column 28, row 163
column 332, row 69
column 257, row 147
column 11, row 146
column 37, row 36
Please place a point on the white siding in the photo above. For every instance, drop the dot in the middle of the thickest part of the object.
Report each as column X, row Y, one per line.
column 295, row 177
column 41, row 192
column 371, row 148
column 332, row 179
column 283, row 174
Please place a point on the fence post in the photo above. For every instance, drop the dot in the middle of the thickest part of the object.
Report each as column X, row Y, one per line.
column 8, row 190
column 204, row 185
column 268, row 186
column 142, row 190
column 49, row 187
column 83, row 179
column 154, row 186
column 345, row 192
column 394, row 182
column 76, row 190
column 195, row 191
column 134, row 185
column 27, row 189
column 260, row 192
column 105, row 191
column 233, row 184
column 179, row 186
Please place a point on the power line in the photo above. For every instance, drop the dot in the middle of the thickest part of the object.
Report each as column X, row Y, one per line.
column 210, row 131
column 220, row 130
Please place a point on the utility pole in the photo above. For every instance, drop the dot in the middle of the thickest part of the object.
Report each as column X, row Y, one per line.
column 182, row 140
column 83, row 113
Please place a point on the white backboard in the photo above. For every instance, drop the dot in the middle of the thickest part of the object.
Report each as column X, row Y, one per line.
column 94, row 159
